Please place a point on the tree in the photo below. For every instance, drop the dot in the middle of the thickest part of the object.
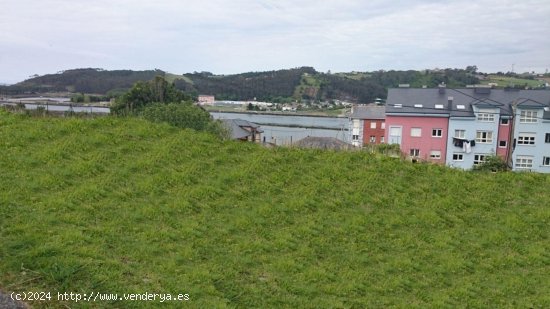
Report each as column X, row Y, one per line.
column 142, row 94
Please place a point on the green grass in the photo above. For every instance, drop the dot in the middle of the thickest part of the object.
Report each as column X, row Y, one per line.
column 125, row 206
column 504, row 81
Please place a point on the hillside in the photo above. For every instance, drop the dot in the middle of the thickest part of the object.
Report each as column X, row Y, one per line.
column 284, row 86
column 116, row 205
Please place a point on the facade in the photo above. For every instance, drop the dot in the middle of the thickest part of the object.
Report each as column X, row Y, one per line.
column 367, row 125
column 206, row 99
column 461, row 127
column 418, row 120
column 531, row 141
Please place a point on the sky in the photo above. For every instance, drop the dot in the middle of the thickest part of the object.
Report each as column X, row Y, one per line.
column 227, row 37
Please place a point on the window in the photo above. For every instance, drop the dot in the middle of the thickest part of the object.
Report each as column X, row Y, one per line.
column 546, row 161
column 418, row 105
column 416, row 132
column 459, row 106
column 372, row 139
column 460, row 133
column 381, row 139
column 373, row 125
column 439, row 106
column 547, row 138
column 524, row 162
column 435, row 154
column 355, row 137
column 484, row 137
column 504, row 121
column 486, row 117
column 356, row 123
column 414, row 152
column 458, row 157
column 398, row 105
column 479, row 158
column 383, row 125
column 526, row 139
column 437, row 132
column 502, row 144
column 528, row 116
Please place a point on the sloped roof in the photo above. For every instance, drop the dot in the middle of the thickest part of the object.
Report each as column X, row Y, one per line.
column 236, row 127
column 369, row 111
column 467, row 97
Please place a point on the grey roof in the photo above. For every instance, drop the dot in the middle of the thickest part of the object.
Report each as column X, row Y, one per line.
column 468, row 97
column 369, row 111
column 236, row 127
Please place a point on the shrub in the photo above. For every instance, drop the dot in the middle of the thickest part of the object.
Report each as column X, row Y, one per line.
column 492, row 164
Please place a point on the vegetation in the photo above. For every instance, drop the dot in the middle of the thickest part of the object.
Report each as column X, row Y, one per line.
column 303, row 84
column 123, row 205
column 142, row 94
column 492, row 164
column 185, row 115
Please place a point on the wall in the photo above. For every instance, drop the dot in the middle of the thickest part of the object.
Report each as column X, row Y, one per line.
column 425, row 143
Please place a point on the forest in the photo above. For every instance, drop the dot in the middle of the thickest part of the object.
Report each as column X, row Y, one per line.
column 280, row 86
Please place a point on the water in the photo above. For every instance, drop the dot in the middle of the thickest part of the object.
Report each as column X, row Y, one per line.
column 286, row 130
column 65, row 108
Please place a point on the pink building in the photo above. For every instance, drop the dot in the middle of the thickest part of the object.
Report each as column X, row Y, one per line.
column 420, row 137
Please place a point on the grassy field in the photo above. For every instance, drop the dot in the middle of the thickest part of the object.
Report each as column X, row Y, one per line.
column 504, row 81
column 125, row 206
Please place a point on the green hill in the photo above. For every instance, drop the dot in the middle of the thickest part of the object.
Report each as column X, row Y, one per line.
column 115, row 205
column 282, row 86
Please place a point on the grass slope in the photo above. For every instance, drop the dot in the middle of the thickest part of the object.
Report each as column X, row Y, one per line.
column 125, row 206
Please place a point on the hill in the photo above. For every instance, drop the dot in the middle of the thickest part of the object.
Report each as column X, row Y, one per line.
column 94, row 81
column 290, row 85
column 117, row 205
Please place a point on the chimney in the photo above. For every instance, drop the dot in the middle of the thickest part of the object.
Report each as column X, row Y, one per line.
column 450, row 103
column 441, row 87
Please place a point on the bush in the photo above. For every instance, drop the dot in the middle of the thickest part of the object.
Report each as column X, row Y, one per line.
column 184, row 115
column 492, row 164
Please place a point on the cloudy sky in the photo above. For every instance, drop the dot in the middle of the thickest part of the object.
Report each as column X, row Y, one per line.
column 224, row 37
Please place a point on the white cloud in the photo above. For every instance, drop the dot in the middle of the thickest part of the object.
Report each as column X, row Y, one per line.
column 243, row 35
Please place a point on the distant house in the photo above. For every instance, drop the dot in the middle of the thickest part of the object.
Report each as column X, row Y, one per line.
column 244, row 130
column 367, row 124
column 206, row 99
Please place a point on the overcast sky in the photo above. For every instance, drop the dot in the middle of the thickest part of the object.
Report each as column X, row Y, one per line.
column 233, row 36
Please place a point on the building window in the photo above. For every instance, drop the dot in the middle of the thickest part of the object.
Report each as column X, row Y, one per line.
column 355, row 137
column 373, row 125
column 416, row 132
column 458, row 157
column 383, row 125
column 460, row 133
column 504, row 121
column 528, row 116
column 502, row 144
column 526, row 139
column 437, row 132
column 484, row 137
column 546, row 161
column 435, row 154
column 486, row 117
column 414, row 152
column 381, row 139
column 524, row 162
column 356, row 123
column 479, row 158
column 372, row 139
column 547, row 138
